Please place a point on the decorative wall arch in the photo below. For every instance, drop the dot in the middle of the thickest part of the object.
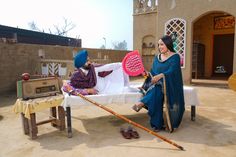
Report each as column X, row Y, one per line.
column 197, row 17
column 209, row 37
column 148, row 45
column 176, row 27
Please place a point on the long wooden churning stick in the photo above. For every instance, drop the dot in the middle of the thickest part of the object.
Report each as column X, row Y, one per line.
column 131, row 122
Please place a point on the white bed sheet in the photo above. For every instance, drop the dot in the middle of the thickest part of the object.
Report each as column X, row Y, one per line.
column 191, row 96
column 126, row 97
column 116, row 88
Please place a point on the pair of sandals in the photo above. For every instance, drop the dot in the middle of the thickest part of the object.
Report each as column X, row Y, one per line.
column 129, row 133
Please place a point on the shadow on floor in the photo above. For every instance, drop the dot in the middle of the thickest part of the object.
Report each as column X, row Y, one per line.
column 100, row 130
column 7, row 99
column 1, row 117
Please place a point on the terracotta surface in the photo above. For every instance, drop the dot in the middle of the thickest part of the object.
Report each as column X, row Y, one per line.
column 96, row 132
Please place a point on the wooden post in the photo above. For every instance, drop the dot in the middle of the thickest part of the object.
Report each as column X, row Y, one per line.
column 68, row 116
column 53, row 113
column 193, row 113
column 61, row 117
column 33, row 130
column 25, row 124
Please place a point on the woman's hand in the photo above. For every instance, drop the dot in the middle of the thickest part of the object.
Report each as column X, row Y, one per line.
column 145, row 73
column 156, row 78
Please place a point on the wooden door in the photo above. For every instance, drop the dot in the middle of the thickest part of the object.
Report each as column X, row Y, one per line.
column 223, row 50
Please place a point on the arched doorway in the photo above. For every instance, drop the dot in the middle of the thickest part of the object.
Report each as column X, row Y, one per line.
column 213, row 46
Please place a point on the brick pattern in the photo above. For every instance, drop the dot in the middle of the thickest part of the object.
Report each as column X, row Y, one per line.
column 17, row 58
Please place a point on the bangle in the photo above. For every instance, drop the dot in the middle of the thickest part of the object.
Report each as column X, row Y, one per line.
column 156, row 78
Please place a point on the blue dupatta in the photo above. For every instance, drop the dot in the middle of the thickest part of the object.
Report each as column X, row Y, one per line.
column 172, row 94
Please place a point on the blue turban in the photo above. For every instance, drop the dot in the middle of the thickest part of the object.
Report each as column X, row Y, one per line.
column 81, row 58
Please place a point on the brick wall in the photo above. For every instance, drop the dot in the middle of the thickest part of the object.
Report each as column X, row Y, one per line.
column 16, row 59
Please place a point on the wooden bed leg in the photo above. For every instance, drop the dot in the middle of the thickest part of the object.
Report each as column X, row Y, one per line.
column 61, row 117
column 68, row 116
column 193, row 113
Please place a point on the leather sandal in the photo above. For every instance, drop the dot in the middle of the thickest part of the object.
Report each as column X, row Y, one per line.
column 133, row 132
column 125, row 133
column 156, row 129
column 137, row 108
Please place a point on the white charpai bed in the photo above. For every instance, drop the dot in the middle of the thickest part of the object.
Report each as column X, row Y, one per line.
column 116, row 88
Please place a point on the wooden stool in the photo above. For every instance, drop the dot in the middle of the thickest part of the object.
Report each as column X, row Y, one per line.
column 56, row 118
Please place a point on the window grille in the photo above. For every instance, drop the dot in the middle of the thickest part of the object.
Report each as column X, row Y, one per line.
column 176, row 28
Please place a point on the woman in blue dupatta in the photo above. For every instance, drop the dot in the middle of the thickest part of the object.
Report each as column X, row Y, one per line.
column 167, row 77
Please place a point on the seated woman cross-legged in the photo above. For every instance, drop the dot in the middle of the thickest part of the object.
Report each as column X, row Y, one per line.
column 168, row 89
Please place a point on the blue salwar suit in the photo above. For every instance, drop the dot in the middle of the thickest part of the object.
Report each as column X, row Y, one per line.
column 155, row 97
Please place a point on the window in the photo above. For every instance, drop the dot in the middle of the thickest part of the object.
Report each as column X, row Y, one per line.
column 176, row 28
